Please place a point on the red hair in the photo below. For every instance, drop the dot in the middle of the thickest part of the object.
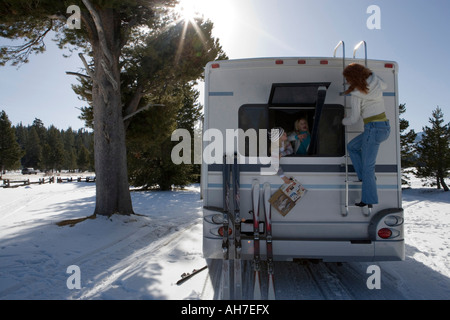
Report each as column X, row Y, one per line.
column 356, row 76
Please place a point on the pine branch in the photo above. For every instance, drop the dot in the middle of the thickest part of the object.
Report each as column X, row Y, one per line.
column 142, row 109
column 21, row 53
column 70, row 73
column 89, row 71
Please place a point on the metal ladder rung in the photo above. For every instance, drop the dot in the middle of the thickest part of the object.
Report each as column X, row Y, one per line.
column 367, row 211
column 354, row 205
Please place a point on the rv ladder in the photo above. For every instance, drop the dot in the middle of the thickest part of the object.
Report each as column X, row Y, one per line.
column 347, row 132
column 365, row 51
column 367, row 212
column 349, row 179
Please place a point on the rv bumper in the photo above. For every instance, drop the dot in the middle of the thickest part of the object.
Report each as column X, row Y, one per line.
column 328, row 251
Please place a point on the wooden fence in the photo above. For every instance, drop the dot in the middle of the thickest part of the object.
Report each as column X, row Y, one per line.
column 10, row 183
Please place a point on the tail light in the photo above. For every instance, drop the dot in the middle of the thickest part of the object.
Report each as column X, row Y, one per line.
column 388, row 233
column 220, row 231
column 385, row 233
column 387, row 224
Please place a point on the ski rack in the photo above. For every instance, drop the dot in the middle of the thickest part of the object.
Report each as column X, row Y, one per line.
column 235, row 218
column 237, row 231
column 227, row 246
column 256, row 244
column 257, row 295
column 225, row 277
column 268, row 215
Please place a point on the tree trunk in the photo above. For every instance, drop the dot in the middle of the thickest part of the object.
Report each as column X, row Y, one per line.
column 444, row 185
column 113, row 195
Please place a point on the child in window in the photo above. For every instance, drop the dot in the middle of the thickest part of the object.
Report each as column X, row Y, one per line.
column 278, row 134
column 279, row 140
column 301, row 137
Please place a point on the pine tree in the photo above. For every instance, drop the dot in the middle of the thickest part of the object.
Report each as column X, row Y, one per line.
column 148, row 137
column 434, row 150
column 407, row 146
column 10, row 152
column 33, row 149
column 41, row 130
column 83, row 159
column 189, row 113
column 84, row 145
column 149, row 140
column 70, row 157
column 54, row 150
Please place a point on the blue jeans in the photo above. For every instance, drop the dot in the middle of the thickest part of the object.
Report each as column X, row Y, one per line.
column 363, row 151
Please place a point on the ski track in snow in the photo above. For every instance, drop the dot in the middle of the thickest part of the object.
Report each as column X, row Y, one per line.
column 157, row 249
column 143, row 256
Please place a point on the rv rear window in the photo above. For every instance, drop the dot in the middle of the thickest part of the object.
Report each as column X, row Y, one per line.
column 330, row 140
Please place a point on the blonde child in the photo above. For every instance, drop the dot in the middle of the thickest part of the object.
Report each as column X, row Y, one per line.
column 301, row 136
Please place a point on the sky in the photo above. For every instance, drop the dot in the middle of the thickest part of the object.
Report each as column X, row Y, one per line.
column 414, row 33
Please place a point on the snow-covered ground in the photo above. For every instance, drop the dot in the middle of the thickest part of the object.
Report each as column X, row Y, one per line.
column 143, row 256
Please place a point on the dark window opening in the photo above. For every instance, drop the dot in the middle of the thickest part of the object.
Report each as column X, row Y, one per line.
column 253, row 116
column 330, row 136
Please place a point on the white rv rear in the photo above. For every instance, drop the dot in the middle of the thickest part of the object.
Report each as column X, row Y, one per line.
column 274, row 92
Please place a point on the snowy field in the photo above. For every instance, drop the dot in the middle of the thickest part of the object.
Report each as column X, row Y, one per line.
column 143, row 256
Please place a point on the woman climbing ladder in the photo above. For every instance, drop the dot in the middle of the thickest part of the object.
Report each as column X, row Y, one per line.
column 366, row 102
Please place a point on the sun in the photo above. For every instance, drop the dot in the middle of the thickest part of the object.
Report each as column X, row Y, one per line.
column 188, row 10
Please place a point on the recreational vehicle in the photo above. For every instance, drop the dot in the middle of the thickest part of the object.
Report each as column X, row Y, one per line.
column 263, row 93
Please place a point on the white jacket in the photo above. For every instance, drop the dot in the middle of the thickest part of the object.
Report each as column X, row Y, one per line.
column 367, row 105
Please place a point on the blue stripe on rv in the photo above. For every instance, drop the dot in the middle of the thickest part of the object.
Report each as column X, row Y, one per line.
column 313, row 186
column 231, row 94
column 385, row 168
column 385, row 94
column 221, row 94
